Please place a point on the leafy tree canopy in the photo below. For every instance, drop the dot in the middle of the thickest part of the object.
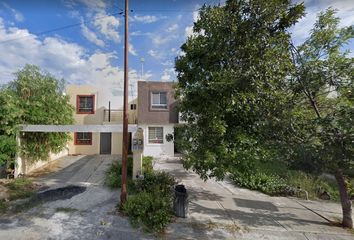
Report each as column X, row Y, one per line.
column 248, row 94
column 228, row 82
column 33, row 97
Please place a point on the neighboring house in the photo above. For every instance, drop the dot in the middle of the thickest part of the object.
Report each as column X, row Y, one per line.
column 157, row 116
column 91, row 108
column 154, row 111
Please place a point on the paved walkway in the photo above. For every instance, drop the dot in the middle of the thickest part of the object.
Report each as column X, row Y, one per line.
column 219, row 210
column 89, row 215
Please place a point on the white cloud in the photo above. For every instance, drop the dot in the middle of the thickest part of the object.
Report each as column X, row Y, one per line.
column 167, row 63
column 165, row 77
column 169, row 74
column 173, row 28
column 159, row 39
column 132, row 50
column 158, row 55
column 152, row 53
column 146, row 18
column 107, row 25
column 95, row 5
column 196, row 16
column 17, row 15
column 188, row 31
column 345, row 12
column 63, row 59
column 90, row 35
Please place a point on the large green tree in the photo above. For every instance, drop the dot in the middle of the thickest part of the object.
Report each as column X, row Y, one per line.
column 33, row 97
column 234, row 63
column 323, row 90
column 248, row 94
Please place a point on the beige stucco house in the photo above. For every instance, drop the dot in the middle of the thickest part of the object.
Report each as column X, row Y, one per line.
column 91, row 109
column 154, row 110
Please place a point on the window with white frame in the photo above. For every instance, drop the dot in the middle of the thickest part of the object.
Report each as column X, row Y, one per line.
column 156, row 135
column 159, row 100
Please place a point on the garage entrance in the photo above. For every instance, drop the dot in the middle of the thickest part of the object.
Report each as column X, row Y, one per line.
column 105, row 143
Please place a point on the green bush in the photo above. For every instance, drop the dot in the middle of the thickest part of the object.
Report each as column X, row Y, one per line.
column 147, row 164
column 153, row 212
column 114, row 177
column 312, row 184
column 156, row 182
column 273, row 184
column 152, row 205
column 267, row 183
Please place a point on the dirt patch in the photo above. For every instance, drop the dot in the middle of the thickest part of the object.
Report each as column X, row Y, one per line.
column 46, row 169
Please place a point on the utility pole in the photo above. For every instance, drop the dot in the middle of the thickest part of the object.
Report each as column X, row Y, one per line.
column 123, row 194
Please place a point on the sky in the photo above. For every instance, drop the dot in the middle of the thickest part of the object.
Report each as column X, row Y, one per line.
column 82, row 40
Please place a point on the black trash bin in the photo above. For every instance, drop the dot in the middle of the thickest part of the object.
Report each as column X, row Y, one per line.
column 180, row 203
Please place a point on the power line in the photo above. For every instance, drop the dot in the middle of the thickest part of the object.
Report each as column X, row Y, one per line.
column 62, row 27
column 87, row 21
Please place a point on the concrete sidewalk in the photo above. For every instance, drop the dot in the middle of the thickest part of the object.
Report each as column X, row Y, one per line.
column 219, row 210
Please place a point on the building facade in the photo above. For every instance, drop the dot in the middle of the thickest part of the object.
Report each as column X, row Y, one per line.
column 157, row 116
column 154, row 110
column 91, row 109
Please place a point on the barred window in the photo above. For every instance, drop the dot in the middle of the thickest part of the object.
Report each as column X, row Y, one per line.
column 155, row 134
column 85, row 104
column 83, row 138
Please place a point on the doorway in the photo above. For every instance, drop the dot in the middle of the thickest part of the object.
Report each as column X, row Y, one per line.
column 106, row 143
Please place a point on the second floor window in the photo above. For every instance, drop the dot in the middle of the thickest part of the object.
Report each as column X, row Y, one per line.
column 133, row 106
column 159, row 100
column 85, row 104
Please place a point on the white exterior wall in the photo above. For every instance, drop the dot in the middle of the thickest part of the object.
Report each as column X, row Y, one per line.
column 22, row 166
column 158, row 150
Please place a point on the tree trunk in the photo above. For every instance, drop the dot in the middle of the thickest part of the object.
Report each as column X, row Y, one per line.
column 347, row 221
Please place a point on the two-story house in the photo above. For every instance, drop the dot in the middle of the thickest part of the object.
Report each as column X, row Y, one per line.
column 154, row 111
column 157, row 116
column 93, row 108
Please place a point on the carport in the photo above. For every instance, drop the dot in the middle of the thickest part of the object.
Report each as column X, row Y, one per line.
column 116, row 128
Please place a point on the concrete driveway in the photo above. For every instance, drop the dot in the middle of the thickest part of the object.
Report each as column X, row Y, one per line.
column 219, row 210
column 89, row 215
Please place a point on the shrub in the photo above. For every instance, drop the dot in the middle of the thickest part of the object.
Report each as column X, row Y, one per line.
column 267, row 183
column 113, row 175
column 152, row 205
column 153, row 212
column 312, row 184
column 147, row 164
column 114, row 178
column 130, row 166
column 156, row 182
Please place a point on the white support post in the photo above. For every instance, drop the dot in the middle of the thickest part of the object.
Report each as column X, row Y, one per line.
column 137, row 148
column 137, row 164
column 19, row 164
